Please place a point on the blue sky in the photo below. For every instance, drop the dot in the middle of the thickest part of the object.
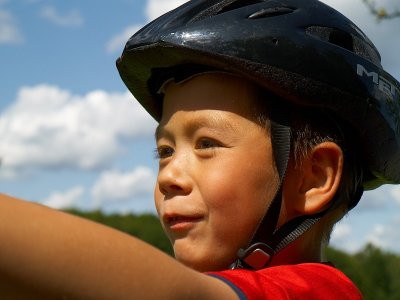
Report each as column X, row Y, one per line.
column 71, row 134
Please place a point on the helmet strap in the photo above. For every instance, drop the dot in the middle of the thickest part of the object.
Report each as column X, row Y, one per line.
column 268, row 239
column 260, row 251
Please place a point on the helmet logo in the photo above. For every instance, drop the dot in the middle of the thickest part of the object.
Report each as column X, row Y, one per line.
column 384, row 84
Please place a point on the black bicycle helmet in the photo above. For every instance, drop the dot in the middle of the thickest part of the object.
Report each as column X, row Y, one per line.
column 302, row 50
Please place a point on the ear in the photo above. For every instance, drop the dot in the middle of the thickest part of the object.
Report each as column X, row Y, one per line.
column 310, row 186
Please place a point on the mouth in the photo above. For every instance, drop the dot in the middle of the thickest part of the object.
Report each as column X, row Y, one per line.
column 180, row 219
column 181, row 223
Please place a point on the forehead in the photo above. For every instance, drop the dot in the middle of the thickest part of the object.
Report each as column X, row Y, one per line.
column 211, row 91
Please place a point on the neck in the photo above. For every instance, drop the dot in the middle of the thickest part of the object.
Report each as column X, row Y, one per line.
column 298, row 252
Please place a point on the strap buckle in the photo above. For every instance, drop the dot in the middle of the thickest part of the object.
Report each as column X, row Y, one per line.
column 257, row 256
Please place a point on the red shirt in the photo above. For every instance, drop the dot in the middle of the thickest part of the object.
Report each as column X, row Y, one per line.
column 309, row 281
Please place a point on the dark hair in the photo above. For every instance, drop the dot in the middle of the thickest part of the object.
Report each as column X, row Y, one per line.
column 312, row 127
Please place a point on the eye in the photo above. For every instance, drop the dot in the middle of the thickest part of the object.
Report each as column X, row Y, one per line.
column 163, row 152
column 206, row 143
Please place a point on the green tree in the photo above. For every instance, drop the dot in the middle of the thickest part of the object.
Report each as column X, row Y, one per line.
column 349, row 266
column 383, row 272
column 146, row 227
column 374, row 271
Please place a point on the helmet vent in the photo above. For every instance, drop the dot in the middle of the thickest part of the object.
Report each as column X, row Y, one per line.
column 341, row 39
column 333, row 36
column 239, row 4
column 271, row 12
column 346, row 41
column 222, row 7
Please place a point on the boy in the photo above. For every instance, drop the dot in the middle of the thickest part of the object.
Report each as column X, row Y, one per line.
column 263, row 144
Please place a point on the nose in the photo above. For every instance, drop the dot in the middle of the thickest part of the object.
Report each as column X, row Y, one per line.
column 173, row 177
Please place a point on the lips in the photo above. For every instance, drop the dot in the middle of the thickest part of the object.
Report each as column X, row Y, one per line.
column 180, row 222
column 181, row 219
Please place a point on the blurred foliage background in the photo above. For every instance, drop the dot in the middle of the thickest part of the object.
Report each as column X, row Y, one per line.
column 381, row 12
column 374, row 271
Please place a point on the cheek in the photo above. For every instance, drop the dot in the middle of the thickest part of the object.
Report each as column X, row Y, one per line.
column 158, row 199
column 232, row 186
column 158, row 202
column 237, row 203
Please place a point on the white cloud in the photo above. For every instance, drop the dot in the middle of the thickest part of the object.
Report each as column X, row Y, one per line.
column 123, row 186
column 395, row 193
column 117, row 43
column 156, row 8
column 72, row 18
column 47, row 127
column 386, row 236
column 342, row 237
column 352, row 236
column 378, row 236
column 374, row 200
column 66, row 199
column 382, row 198
column 341, row 231
column 9, row 31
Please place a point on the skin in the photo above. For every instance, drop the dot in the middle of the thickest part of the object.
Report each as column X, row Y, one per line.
column 216, row 176
column 47, row 254
column 214, row 183
column 206, row 141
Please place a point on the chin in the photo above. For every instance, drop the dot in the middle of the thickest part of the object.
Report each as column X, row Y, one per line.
column 203, row 264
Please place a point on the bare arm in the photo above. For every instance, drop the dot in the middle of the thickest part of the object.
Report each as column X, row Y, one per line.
column 55, row 255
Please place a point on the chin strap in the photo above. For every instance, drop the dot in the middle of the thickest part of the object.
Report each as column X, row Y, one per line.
column 259, row 254
column 260, row 251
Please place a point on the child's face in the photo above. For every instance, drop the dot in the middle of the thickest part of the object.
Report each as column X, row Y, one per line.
column 216, row 175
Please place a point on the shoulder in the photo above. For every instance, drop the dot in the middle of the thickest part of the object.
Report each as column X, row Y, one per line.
column 310, row 280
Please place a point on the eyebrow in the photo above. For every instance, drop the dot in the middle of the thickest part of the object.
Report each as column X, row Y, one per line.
column 196, row 123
